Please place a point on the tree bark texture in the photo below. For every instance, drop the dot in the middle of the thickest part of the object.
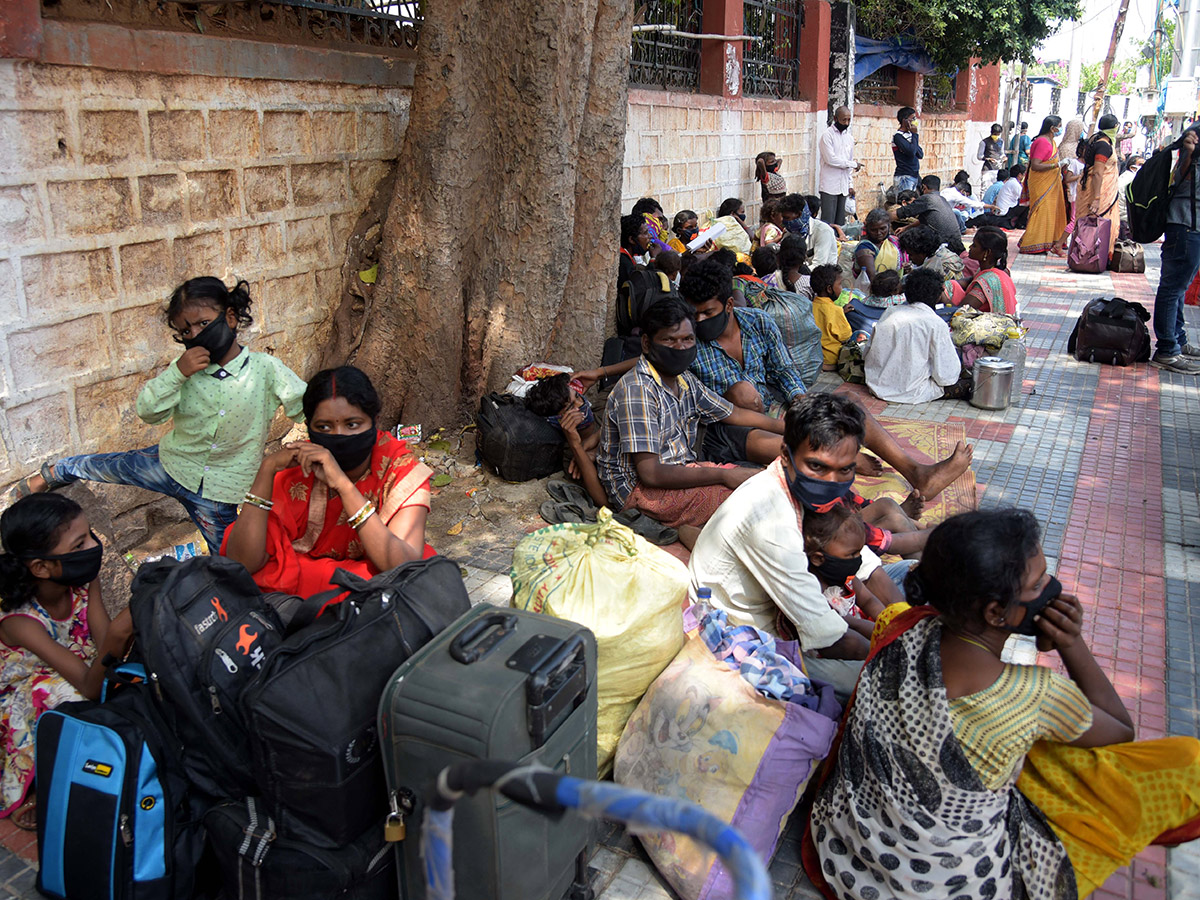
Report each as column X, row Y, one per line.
column 499, row 244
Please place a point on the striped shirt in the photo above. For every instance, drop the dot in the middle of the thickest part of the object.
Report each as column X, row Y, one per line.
column 766, row 362
column 643, row 416
column 997, row 726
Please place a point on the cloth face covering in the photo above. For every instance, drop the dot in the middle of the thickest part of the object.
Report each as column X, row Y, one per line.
column 669, row 361
column 813, row 493
column 349, row 451
column 710, row 329
column 80, row 567
column 216, row 337
column 836, row 569
column 1027, row 626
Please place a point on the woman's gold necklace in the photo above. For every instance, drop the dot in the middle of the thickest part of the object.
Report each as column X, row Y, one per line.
column 980, row 644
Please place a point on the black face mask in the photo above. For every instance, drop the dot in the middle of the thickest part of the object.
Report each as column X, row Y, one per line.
column 840, row 127
column 710, row 329
column 80, row 567
column 689, row 234
column 216, row 337
column 1027, row 626
column 349, row 451
column 669, row 361
column 815, row 494
column 836, row 569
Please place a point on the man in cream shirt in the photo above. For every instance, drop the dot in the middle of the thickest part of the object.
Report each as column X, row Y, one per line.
column 836, row 152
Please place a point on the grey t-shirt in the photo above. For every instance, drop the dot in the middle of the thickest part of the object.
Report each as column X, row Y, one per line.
column 1183, row 209
column 935, row 211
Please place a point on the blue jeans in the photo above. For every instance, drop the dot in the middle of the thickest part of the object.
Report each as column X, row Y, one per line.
column 905, row 183
column 1180, row 260
column 141, row 468
column 897, row 572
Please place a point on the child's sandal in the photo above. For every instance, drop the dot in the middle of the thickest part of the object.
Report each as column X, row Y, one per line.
column 25, row 816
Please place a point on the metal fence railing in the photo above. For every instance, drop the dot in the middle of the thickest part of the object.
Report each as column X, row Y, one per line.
column 658, row 58
column 771, row 63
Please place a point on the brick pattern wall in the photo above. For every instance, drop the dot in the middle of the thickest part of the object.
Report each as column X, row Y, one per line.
column 691, row 152
column 115, row 187
column 949, row 142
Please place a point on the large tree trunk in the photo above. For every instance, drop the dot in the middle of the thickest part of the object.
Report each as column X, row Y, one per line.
column 498, row 246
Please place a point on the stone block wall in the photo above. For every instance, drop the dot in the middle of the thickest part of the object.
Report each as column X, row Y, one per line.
column 116, row 186
column 691, row 151
column 949, row 141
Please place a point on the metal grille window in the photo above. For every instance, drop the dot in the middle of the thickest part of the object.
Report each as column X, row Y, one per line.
column 1056, row 100
column 660, row 59
column 388, row 22
column 879, row 88
column 938, row 93
column 771, row 64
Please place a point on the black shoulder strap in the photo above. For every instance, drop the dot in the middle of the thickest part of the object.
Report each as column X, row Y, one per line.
column 307, row 612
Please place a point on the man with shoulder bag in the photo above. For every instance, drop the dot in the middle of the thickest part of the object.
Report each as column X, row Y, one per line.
column 1180, row 261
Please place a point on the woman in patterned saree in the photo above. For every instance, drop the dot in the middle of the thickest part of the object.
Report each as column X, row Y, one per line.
column 351, row 497
column 957, row 774
column 1099, row 194
column 1044, row 190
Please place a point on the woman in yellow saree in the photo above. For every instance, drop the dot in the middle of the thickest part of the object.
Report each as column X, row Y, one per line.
column 1044, row 192
column 1098, row 191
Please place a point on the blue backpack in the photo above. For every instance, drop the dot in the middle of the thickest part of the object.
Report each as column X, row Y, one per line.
column 116, row 817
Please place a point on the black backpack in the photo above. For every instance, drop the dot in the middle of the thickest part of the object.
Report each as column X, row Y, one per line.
column 1111, row 331
column 204, row 631
column 116, row 817
column 1148, row 196
column 311, row 712
column 638, row 293
column 516, row 444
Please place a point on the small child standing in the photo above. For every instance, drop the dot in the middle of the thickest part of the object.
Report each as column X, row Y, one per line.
column 562, row 405
column 54, row 630
column 221, row 398
column 826, row 285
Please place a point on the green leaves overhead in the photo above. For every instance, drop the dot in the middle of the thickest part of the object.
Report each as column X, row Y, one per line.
column 954, row 31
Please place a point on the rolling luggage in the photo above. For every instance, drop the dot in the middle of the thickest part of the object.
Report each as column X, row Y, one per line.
column 1088, row 250
column 499, row 684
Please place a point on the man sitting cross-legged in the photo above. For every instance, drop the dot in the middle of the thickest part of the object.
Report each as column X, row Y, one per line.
column 649, row 429
column 752, row 553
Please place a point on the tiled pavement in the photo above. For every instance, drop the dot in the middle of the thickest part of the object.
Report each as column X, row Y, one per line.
column 1107, row 458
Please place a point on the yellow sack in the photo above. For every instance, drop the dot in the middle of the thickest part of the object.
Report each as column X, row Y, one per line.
column 627, row 591
column 735, row 237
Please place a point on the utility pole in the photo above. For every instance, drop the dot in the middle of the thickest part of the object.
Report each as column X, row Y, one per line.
column 1073, row 66
column 1106, row 71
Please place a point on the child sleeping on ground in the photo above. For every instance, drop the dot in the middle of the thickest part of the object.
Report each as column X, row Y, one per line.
column 564, row 406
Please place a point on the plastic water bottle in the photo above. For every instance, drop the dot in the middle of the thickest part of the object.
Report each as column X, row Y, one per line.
column 703, row 602
column 1015, row 350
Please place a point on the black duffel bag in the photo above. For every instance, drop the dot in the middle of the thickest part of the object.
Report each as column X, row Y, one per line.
column 311, row 711
column 1111, row 331
column 513, row 442
column 258, row 863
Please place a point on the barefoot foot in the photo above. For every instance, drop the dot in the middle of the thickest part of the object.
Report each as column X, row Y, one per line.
column 867, row 464
column 913, row 505
column 688, row 535
column 931, row 480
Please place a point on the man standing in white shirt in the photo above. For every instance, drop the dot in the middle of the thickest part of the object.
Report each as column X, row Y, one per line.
column 911, row 357
column 836, row 152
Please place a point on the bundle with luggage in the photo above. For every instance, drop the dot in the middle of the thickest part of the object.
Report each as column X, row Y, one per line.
column 626, row 591
column 1111, row 331
column 703, row 733
column 278, row 724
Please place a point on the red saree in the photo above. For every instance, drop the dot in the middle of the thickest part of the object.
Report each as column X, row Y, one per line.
column 308, row 536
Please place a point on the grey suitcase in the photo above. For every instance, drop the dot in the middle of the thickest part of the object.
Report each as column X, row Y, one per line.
column 497, row 684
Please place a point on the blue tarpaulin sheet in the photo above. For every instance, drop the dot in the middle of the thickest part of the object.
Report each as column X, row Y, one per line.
column 871, row 55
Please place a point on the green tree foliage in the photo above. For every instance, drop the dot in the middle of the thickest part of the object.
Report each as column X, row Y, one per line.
column 954, row 31
column 1120, row 81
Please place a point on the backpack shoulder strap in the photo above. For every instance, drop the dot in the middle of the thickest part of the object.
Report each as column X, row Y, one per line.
column 664, row 282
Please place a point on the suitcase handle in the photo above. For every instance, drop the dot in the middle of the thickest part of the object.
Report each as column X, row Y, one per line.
column 504, row 623
column 556, row 686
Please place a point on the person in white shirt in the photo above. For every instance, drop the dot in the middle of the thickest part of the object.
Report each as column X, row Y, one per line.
column 911, row 358
column 1008, row 214
column 836, row 152
column 822, row 237
column 751, row 553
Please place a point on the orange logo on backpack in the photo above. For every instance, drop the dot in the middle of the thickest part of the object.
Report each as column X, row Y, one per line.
column 221, row 614
column 246, row 638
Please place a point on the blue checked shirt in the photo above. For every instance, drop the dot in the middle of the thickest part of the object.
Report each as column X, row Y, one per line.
column 767, row 363
column 643, row 416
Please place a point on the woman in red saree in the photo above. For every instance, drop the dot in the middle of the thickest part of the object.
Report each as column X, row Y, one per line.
column 351, row 497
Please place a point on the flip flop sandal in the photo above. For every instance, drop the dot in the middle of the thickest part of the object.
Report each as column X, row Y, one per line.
column 25, row 816
column 651, row 529
column 558, row 512
column 565, row 491
column 20, row 490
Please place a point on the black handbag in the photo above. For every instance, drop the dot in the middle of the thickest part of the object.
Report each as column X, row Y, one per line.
column 1111, row 331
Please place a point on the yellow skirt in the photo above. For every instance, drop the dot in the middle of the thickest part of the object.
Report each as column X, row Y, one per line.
column 1107, row 804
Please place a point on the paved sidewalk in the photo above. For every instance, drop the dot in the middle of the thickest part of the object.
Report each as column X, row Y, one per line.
column 1108, row 460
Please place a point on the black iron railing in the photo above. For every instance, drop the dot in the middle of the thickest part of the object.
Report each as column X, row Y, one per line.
column 879, row 87
column 771, row 64
column 658, row 58
column 938, row 93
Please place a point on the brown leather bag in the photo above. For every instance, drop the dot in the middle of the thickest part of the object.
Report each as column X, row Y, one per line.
column 1128, row 256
